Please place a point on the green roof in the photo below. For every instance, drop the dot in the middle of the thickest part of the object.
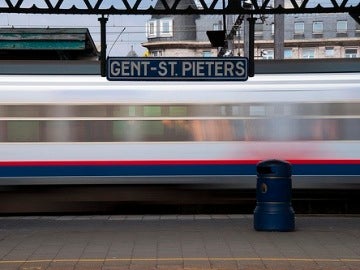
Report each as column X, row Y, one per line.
column 47, row 39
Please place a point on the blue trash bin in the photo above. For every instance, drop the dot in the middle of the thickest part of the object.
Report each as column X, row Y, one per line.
column 273, row 210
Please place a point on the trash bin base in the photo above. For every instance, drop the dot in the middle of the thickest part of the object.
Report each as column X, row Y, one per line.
column 274, row 217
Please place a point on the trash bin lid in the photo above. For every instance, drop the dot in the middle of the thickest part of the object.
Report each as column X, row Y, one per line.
column 273, row 167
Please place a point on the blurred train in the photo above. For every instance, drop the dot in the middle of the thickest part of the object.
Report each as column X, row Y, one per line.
column 84, row 130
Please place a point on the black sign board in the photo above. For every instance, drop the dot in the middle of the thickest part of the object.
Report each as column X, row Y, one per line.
column 180, row 69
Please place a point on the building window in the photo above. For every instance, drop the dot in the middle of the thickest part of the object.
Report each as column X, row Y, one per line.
column 151, row 29
column 267, row 54
column 166, row 28
column 351, row 52
column 329, row 51
column 318, row 27
column 288, row 53
column 218, row 26
column 299, row 28
column 207, row 54
column 308, row 53
column 156, row 53
column 259, row 28
column 341, row 26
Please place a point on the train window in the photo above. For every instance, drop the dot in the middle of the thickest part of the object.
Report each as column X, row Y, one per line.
column 176, row 130
column 59, row 110
column 91, row 131
column 282, row 109
column 3, row 111
column 138, row 131
column 152, row 130
column 152, row 111
column 177, row 111
column 205, row 111
column 223, row 110
column 3, row 135
column 23, row 131
column 257, row 110
column 23, row 111
column 235, row 110
column 132, row 111
column 210, row 130
column 350, row 109
column 91, row 111
column 125, row 111
column 350, row 129
column 126, row 131
column 59, row 131
column 255, row 121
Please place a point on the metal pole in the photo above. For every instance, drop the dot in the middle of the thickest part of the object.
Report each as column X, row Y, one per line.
column 279, row 32
column 103, row 21
column 224, row 25
column 246, row 36
column 251, row 71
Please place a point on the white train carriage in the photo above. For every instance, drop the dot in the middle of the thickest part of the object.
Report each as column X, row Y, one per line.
column 86, row 130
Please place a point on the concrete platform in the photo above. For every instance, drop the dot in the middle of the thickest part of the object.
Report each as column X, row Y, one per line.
column 176, row 242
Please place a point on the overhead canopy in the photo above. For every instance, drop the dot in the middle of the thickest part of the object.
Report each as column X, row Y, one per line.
column 46, row 43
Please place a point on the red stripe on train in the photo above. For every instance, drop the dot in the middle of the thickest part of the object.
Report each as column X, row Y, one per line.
column 166, row 162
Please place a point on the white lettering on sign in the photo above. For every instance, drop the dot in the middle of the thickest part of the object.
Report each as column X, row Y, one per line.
column 127, row 68
column 208, row 69
column 167, row 68
column 177, row 68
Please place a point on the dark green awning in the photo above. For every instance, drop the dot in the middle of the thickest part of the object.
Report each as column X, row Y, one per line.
column 47, row 39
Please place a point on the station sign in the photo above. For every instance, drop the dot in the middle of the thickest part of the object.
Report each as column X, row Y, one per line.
column 179, row 69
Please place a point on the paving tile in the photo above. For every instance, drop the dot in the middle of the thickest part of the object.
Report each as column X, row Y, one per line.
column 11, row 266
column 251, row 265
column 135, row 265
column 175, row 266
column 35, row 265
column 61, row 265
column 188, row 241
column 114, row 267
column 88, row 266
column 223, row 264
column 353, row 265
column 197, row 264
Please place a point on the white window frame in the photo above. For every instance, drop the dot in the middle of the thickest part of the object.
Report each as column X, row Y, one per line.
column 318, row 27
column 308, row 53
column 218, row 26
column 288, row 53
column 259, row 29
column 170, row 32
column 157, row 53
column 148, row 29
column 299, row 30
column 329, row 51
column 351, row 55
column 267, row 54
column 207, row 54
column 341, row 26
